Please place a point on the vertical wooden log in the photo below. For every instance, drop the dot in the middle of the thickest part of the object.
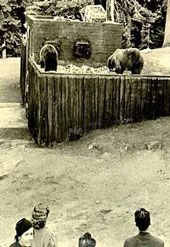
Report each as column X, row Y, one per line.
column 43, row 139
column 122, row 91
column 87, row 105
column 57, row 109
column 67, row 104
column 50, row 106
column 101, row 101
column 136, row 112
column 95, row 101
column 167, row 90
column 168, row 95
column 108, row 10
column 116, row 99
column 109, row 103
column 23, row 72
column 79, row 86
column 64, row 84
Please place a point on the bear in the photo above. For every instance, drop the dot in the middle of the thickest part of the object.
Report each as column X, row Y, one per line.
column 126, row 59
column 49, row 57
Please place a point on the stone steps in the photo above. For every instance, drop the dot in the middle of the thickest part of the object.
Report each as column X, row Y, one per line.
column 13, row 123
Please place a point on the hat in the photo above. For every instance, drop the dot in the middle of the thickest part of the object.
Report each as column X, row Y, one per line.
column 22, row 226
column 39, row 215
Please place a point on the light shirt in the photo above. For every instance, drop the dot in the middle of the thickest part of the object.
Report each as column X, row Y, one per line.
column 43, row 238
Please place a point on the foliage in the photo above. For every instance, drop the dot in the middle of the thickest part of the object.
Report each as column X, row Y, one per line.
column 143, row 20
column 12, row 16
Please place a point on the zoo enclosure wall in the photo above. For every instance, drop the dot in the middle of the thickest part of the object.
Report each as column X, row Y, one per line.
column 62, row 105
column 104, row 38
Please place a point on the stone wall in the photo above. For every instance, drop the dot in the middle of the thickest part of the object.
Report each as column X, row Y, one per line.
column 104, row 38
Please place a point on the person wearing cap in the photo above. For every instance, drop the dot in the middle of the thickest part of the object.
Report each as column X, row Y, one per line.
column 42, row 236
column 144, row 238
column 24, row 234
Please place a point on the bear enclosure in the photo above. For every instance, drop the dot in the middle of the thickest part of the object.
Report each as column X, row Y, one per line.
column 61, row 106
column 65, row 106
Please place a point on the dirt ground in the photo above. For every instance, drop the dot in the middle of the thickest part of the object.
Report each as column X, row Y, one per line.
column 94, row 184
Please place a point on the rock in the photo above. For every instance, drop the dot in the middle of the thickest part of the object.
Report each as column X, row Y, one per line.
column 5, row 145
column 105, row 155
column 153, row 145
column 106, row 211
column 97, row 202
column 92, row 146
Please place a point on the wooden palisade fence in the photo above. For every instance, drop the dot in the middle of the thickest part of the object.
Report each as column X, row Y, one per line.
column 61, row 105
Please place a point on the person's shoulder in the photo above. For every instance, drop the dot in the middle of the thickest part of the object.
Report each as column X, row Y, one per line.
column 47, row 230
column 130, row 240
column 48, row 233
column 157, row 240
column 15, row 244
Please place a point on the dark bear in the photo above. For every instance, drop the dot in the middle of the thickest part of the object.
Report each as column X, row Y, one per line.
column 126, row 59
column 49, row 58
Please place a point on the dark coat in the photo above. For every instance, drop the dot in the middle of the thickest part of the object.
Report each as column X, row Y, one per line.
column 16, row 244
column 143, row 239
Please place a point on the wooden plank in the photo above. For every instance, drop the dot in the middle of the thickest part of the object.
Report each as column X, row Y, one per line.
column 64, row 106
column 136, row 111
column 168, row 96
column 117, row 100
column 79, row 108
column 122, row 98
column 144, row 95
column 101, row 101
column 23, row 71
column 86, row 95
column 57, row 110
column 50, row 116
column 43, row 139
column 109, row 103
column 94, row 102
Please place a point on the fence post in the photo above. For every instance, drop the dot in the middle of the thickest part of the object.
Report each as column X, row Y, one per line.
column 121, row 88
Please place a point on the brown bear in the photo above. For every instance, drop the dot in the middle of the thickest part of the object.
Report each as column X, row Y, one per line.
column 49, row 58
column 126, row 59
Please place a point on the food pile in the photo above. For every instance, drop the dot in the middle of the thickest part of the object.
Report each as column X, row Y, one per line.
column 75, row 69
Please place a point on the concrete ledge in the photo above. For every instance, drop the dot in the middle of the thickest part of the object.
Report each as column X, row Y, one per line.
column 4, row 105
column 12, row 116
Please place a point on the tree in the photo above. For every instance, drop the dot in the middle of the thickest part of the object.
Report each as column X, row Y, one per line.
column 167, row 26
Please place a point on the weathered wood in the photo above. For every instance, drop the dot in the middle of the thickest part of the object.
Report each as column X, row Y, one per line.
column 63, row 107
column 23, row 72
column 57, row 110
column 87, row 104
column 43, row 138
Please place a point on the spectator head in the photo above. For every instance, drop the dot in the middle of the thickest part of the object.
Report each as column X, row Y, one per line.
column 87, row 241
column 142, row 219
column 24, row 232
column 39, row 215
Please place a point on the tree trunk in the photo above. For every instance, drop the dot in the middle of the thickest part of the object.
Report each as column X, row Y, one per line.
column 167, row 26
column 110, row 10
